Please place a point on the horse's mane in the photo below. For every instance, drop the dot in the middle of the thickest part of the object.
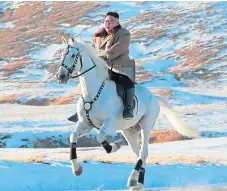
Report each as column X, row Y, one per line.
column 101, row 69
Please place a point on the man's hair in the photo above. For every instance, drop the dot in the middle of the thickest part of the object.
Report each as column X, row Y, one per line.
column 113, row 14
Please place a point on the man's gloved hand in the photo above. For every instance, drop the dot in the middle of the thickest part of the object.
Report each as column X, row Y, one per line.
column 102, row 54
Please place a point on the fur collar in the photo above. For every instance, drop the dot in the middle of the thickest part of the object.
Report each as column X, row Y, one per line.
column 102, row 32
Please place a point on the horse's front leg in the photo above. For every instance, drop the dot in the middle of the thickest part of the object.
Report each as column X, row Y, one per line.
column 80, row 130
column 107, row 128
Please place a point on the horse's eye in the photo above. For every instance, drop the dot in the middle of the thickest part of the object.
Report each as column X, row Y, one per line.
column 73, row 56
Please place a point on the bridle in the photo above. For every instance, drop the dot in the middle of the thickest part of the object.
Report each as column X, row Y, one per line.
column 78, row 55
column 87, row 105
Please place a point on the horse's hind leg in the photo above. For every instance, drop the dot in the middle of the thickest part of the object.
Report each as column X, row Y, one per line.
column 146, row 124
column 132, row 137
column 80, row 130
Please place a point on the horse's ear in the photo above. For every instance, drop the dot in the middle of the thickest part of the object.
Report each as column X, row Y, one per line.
column 74, row 38
column 63, row 39
column 71, row 40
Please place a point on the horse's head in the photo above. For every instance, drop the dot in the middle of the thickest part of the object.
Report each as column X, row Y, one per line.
column 71, row 60
column 73, row 63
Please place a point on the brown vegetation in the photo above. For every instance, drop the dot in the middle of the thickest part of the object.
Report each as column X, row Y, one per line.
column 9, row 98
column 62, row 100
column 158, row 136
column 15, row 98
column 162, row 92
column 197, row 56
column 10, row 68
column 32, row 26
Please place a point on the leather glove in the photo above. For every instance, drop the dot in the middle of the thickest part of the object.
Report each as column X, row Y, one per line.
column 102, row 54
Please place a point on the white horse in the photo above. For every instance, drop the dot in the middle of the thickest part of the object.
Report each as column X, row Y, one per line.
column 101, row 107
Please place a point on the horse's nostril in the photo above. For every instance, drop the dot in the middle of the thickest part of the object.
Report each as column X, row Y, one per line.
column 62, row 76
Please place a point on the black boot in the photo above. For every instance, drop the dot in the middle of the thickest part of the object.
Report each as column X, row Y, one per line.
column 128, row 105
column 73, row 118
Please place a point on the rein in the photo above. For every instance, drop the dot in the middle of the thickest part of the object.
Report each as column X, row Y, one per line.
column 83, row 72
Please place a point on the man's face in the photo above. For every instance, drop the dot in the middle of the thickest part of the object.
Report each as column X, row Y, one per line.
column 110, row 22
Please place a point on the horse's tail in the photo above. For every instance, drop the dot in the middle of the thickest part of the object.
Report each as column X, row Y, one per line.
column 178, row 124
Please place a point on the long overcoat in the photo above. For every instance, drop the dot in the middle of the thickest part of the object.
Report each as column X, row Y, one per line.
column 114, row 49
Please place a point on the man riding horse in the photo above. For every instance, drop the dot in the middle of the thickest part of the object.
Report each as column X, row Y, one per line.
column 113, row 42
column 100, row 106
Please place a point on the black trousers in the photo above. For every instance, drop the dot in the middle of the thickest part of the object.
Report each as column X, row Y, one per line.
column 122, row 79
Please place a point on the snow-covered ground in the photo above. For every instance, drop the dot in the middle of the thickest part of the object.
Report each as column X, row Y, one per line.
column 193, row 164
column 199, row 151
column 101, row 176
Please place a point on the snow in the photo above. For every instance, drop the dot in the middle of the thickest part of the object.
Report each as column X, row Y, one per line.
column 54, row 172
column 126, row 10
column 186, row 98
column 137, row 50
column 158, row 65
column 30, row 73
column 27, row 138
column 77, row 29
column 48, row 10
column 33, row 123
column 199, row 151
column 164, row 81
column 85, row 32
column 161, row 46
column 223, row 52
column 12, row 4
column 215, row 65
column 48, row 52
column 57, row 176
column 6, row 25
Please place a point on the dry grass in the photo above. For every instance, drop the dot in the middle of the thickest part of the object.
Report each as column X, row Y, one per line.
column 143, row 77
column 34, row 158
column 10, row 68
column 105, row 158
column 21, row 38
column 15, row 98
column 197, row 56
column 29, row 159
column 62, row 100
column 158, row 136
column 4, row 99
column 162, row 92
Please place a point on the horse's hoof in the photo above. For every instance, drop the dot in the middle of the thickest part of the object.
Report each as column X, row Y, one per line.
column 135, row 189
column 132, row 183
column 79, row 171
column 140, row 186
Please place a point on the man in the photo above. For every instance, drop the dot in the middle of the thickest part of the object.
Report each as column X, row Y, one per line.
column 113, row 42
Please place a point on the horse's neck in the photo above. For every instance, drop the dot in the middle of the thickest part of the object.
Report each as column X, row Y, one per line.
column 89, row 82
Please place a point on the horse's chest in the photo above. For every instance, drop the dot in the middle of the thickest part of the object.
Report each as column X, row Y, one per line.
column 91, row 114
column 105, row 106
